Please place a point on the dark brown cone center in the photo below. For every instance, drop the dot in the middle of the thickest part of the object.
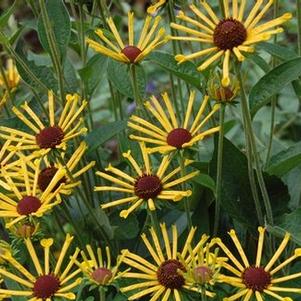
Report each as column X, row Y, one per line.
column 46, row 286
column 224, row 94
column 256, row 278
column 28, row 205
column 50, row 137
column 168, row 274
column 178, row 137
column 46, row 176
column 148, row 187
column 229, row 33
column 102, row 275
column 131, row 52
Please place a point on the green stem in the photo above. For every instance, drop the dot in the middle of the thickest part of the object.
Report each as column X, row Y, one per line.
column 219, row 169
column 137, row 96
column 299, row 25
column 154, row 220
column 54, row 52
column 274, row 98
column 102, row 294
column 250, row 135
column 203, row 294
column 186, row 201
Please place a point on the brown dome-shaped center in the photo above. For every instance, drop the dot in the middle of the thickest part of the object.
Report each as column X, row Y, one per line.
column 50, row 137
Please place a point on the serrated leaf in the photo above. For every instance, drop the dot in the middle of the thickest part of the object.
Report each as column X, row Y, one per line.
column 273, row 82
column 5, row 16
column 280, row 52
column 35, row 76
column 119, row 75
column 286, row 160
column 102, row 134
column 186, row 71
column 94, row 72
column 60, row 22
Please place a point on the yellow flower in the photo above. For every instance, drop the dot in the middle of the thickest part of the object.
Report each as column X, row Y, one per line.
column 171, row 135
column 203, row 266
column 25, row 201
column 44, row 138
column 258, row 279
column 163, row 276
column 152, row 9
column 146, row 186
column 12, row 77
column 3, row 296
column 47, row 282
column 150, row 39
column 97, row 270
column 231, row 35
column 50, row 170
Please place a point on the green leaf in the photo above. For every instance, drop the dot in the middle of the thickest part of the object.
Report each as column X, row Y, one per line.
column 236, row 198
column 205, row 181
column 72, row 84
column 5, row 16
column 273, row 82
column 60, row 23
column 286, row 160
column 94, row 72
column 259, row 61
column 35, row 76
column 124, row 228
column 102, row 134
column 119, row 75
column 289, row 223
column 280, row 52
column 187, row 71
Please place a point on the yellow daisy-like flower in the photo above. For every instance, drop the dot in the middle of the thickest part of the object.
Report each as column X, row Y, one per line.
column 146, row 186
column 163, row 276
column 203, row 266
column 25, row 201
column 50, row 170
column 12, row 76
column 257, row 279
column 97, row 270
column 150, row 39
column 171, row 135
column 152, row 9
column 47, row 282
column 232, row 35
column 45, row 138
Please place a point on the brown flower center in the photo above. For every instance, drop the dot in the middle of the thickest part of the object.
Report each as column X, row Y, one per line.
column 46, row 286
column 229, row 33
column 202, row 274
column 148, row 187
column 28, row 205
column 256, row 279
column 102, row 276
column 131, row 52
column 50, row 137
column 224, row 94
column 46, row 176
column 168, row 275
column 178, row 137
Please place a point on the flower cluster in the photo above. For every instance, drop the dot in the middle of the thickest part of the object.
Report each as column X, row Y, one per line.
column 44, row 162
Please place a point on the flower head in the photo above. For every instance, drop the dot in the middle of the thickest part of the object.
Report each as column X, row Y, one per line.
column 44, row 138
column 49, row 170
column 96, row 269
column 11, row 77
column 229, row 36
column 146, row 186
column 258, row 279
column 47, row 282
column 163, row 276
column 131, row 52
column 171, row 134
column 25, row 200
